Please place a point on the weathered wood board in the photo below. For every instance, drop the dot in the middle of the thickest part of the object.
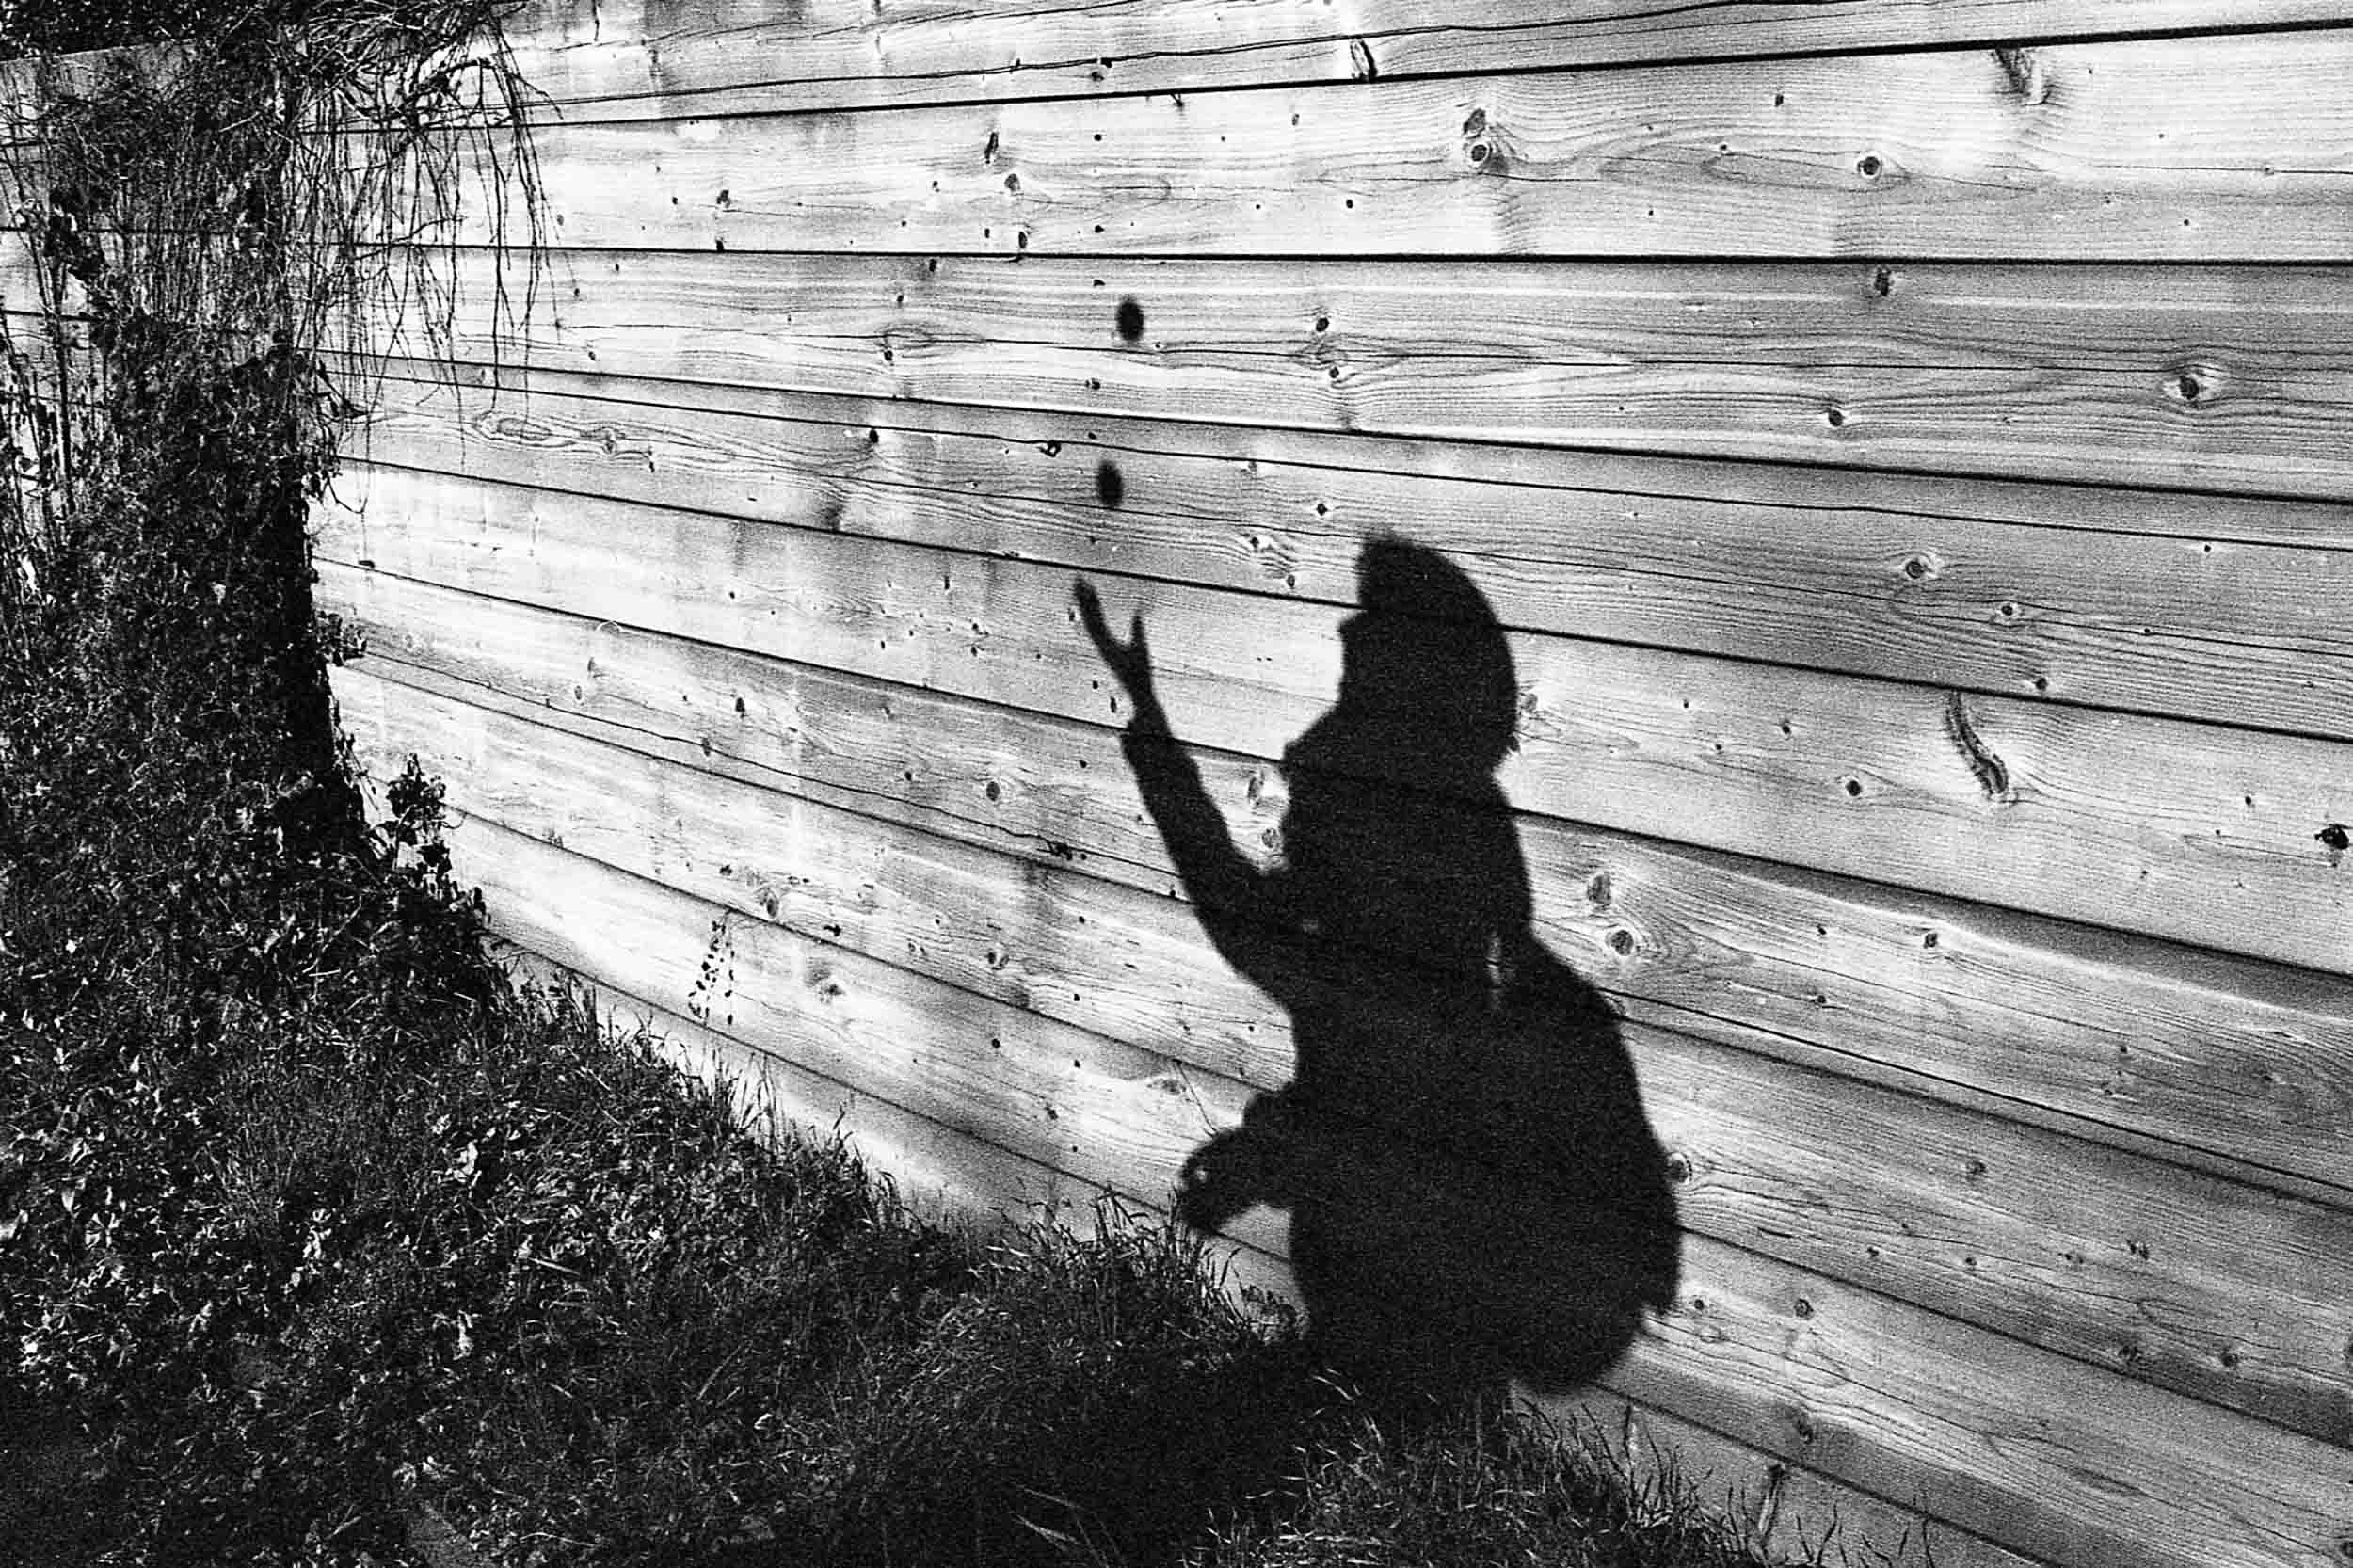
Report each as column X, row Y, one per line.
column 2214, row 378
column 624, row 59
column 2209, row 149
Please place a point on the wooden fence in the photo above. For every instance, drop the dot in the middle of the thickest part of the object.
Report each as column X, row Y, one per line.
column 1898, row 454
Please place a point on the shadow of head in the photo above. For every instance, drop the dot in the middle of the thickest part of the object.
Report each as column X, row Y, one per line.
column 1426, row 675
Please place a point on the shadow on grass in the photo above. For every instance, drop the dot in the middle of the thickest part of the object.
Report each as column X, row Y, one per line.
column 1096, row 1400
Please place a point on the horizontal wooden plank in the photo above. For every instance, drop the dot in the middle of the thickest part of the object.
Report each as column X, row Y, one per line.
column 2114, row 1036
column 2229, row 148
column 2041, row 1236
column 2026, row 1447
column 2047, row 1456
column 1906, row 580
column 1786, row 1510
column 2216, row 378
column 614, row 59
column 2221, row 837
column 1109, row 1115
column 722, row 445
column 938, row 1172
column 2220, row 380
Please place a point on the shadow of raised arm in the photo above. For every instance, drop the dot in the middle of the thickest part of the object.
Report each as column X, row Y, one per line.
column 1240, row 907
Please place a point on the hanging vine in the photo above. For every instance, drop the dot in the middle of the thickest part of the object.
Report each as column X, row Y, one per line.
column 218, row 241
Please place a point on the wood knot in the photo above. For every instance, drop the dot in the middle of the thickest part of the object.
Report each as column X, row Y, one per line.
column 2192, row 384
column 2022, row 70
column 1482, row 146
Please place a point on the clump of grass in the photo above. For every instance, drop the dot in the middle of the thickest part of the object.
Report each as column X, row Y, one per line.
column 1089, row 1397
column 1475, row 1487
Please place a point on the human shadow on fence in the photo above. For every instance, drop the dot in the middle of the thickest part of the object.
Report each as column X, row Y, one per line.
column 1475, row 1194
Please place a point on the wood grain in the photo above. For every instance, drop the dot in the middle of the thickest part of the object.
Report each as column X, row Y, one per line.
column 1786, row 1512
column 2210, row 379
column 614, row 59
column 936, row 1172
column 2214, row 378
column 2041, row 1236
column 2221, row 837
column 2247, row 1067
column 2024, row 1446
column 2214, row 149
column 1107, row 1116
column 2043, row 1455
column 2140, row 606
